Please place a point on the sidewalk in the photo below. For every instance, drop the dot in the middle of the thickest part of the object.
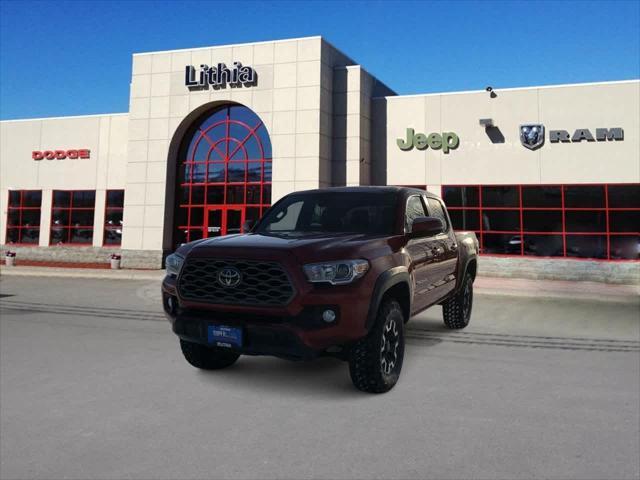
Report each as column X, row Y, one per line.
column 122, row 274
column 517, row 287
column 522, row 287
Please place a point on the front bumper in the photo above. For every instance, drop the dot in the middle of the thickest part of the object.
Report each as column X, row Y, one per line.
column 296, row 331
column 265, row 339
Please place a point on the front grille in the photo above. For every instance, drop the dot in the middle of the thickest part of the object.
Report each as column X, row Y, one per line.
column 262, row 283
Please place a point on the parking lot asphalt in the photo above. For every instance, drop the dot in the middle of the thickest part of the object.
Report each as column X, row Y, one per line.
column 93, row 385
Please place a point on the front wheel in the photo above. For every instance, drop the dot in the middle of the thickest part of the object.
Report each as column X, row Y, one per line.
column 457, row 310
column 376, row 360
column 207, row 358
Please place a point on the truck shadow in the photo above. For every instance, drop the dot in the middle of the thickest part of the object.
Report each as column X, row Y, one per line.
column 327, row 378
column 430, row 320
column 324, row 377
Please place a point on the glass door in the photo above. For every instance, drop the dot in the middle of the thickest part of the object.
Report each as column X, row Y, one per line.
column 214, row 226
column 234, row 220
column 224, row 220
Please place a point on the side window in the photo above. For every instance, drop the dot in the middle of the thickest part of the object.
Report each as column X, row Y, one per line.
column 316, row 217
column 415, row 209
column 437, row 210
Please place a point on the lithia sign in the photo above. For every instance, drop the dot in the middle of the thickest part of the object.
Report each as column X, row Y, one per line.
column 219, row 76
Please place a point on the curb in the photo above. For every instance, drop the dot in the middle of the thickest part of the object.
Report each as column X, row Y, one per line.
column 621, row 298
column 558, row 289
column 485, row 285
column 106, row 274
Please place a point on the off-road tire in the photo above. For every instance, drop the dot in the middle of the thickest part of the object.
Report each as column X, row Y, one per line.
column 457, row 310
column 207, row 358
column 366, row 363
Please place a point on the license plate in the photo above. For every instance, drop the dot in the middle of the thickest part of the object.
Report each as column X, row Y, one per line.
column 223, row 336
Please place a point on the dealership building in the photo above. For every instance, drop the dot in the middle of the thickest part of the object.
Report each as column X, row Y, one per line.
column 547, row 177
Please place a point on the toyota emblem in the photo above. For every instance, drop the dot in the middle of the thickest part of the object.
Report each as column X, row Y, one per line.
column 229, row 277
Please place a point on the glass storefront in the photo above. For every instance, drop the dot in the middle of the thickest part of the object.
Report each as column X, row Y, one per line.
column 584, row 221
column 224, row 175
column 114, row 207
column 72, row 216
column 23, row 216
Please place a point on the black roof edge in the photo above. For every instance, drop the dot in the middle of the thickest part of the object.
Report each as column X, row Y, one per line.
column 371, row 189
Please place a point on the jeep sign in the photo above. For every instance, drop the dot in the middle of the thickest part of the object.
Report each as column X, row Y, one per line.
column 436, row 141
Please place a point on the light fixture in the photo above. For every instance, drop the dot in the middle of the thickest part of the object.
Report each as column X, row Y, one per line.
column 329, row 316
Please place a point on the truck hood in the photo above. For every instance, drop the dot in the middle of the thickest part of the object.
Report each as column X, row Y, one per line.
column 305, row 247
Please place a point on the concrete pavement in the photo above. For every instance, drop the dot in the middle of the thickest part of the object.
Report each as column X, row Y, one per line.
column 92, row 385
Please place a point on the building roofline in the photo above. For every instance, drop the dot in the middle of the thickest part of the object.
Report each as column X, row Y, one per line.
column 65, row 117
column 498, row 90
column 282, row 40
column 376, row 79
column 324, row 40
column 390, row 97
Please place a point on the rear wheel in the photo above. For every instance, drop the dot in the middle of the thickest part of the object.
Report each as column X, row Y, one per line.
column 376, row 360
column 207, row 358
column 457, row 310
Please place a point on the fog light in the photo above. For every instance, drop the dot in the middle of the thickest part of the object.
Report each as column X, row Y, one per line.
column 329, row 316
column 170, row 305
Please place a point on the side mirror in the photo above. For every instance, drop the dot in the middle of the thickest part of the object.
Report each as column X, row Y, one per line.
column 426, row 227
column 248, row 225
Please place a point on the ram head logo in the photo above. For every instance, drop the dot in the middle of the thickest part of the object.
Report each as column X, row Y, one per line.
column 532, row 136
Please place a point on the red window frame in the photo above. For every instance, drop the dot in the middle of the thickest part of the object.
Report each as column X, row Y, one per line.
column 564, row 233
column 110, row 209
column 20, row 227
column 67, row 229
column 222, row 153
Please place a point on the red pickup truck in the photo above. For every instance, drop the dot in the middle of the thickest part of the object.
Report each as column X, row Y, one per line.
column 336, row 271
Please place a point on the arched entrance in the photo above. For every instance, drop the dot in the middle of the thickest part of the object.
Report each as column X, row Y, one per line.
column 224, row 174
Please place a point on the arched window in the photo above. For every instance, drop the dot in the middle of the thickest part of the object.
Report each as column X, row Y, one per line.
column 224, row 174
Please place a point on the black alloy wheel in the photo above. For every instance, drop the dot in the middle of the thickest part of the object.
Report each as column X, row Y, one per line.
column 389, row 348
column 375, row 361
column 457, row 310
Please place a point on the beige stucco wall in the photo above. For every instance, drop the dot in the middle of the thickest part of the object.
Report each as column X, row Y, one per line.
column 293, row 97
column 478, row 161
column 352, row 101
column 104, row 135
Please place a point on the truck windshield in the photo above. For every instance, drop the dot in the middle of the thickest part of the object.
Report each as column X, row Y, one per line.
column 332, row 212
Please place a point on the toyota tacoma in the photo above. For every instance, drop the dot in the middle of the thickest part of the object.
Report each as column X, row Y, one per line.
column 336, row 271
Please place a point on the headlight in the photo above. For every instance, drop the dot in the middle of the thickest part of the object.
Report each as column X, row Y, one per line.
column 174, row 264
column 336, row 273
